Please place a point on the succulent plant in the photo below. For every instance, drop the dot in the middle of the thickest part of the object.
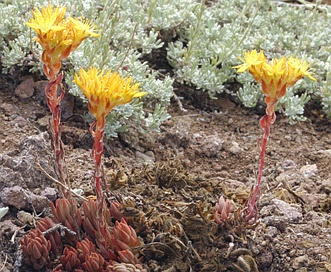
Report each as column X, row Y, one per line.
column 58, row 36
column 84, row 248
column 275, row 76
column 35, row 249
column 223, row 208
column 97, row 227
column 66, row 213
column 126, row 256
column 124, row 267
column 53, row 237
column 69, row 259
column 124, row 236
column 94, row 263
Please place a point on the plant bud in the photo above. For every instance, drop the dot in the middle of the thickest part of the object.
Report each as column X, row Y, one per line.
column 35, row 249
column 125, row 236
column 69, row 259
column 123, row 267
column 84, row 248
column 224, row 208
column 94, row 262
column 54, row 237
column 126, row 256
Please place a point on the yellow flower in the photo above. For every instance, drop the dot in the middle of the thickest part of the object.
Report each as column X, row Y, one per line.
column 47, row 20
column 251, row 60
column 104, row 91
column 57, row 35
column 81, row 30
column 274, row 76
column 297, row 70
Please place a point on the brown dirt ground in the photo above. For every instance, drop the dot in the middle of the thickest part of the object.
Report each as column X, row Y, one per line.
column 172, row 180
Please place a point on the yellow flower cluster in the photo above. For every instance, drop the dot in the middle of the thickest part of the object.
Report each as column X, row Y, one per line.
column 104, row 91
column 57, row 35
column 276, row 75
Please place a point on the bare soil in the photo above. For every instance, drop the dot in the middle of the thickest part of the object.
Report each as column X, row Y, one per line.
column 169, row 182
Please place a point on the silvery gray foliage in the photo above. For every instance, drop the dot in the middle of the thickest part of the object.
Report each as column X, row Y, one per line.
column 207, row 49
column 124, row 40
column 204, row 40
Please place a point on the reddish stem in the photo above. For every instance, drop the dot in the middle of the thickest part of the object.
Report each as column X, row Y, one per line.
column 250, row 212
column 54, row 102
column 97, row 131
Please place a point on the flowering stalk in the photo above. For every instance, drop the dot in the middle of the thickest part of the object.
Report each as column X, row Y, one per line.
column 58, row 37
column 275, row 77
column 104, row 91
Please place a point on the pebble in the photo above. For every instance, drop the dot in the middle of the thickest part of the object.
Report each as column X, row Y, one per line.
column 288, row 137
column 288, row 164
column 21, row 199
column 8, row 109
column 309, row 171
column 292, row 213
column 265, row 259
column 50, row 193
column 299, row 262
column 25, row 89
column 326, row 152
column 7, row 227
column 326, row 186
column 279, row 215
column 271, row 232
column 148, row 157
column 20, row 122
column 211, row 145
column 235, row 149
column 40, row 91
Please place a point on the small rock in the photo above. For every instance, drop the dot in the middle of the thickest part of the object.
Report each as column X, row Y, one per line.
column 40, row 91
column 8, row 109
column 197, row 136
column 300, row 262
column 7, row 227
column 265, row 259
column 22, row 199
column 288, row 137
column 235, row 148
column 292, row 253
column 271, row 232
column 285, row 209
column 280, row 222
column 326, row 152
column 50, row 193
column 326, row 186
column 19, row 121
column 67, row 106
column 3, row 211
column 288, row 164
column 43, row 122
column 148, row 157
column 226, row 104
column 309, row 170
column 25, row 89
column 210, row 146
